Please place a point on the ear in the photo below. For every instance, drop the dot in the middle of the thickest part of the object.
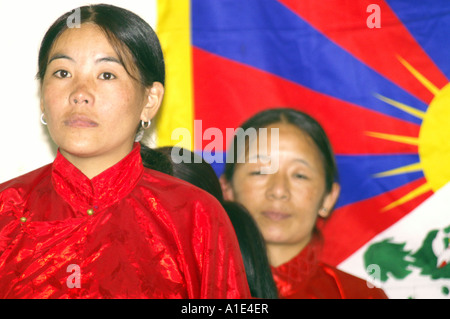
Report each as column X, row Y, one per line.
column 41, row 100
column 155, row 95
column 227, row 190
column 330, row 200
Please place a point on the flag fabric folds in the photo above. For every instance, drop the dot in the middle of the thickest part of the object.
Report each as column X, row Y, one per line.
column 373, row 73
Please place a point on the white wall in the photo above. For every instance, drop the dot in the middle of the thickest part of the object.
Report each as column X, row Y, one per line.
column 24, row 142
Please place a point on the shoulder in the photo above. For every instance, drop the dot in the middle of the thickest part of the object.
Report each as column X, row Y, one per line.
column 15, row 192
column 174, row 191
column 352, row 287
column 27, row 181
column 188, row 209
column 156, row 179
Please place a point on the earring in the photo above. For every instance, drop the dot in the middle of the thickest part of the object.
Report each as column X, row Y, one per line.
column 324, row 210
column 145, row 125
column 139, row 136
column 42, row 119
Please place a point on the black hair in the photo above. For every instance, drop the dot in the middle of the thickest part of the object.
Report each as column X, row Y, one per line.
column 253, row 250
column 302, row 121
column 251, row 243
column 156, row 160
column 196, row 171
column 129, row 35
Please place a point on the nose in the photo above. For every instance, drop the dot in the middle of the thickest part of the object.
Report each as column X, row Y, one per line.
column 81, row 96
column 278, row 187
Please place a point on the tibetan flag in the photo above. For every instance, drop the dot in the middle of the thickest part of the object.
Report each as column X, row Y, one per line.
column 374, row 73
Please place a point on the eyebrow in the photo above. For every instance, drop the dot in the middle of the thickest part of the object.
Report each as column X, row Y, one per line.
column 266, row 157
column 300, row 160
column 59, row 56
column 109, row 59
column 99, row 60
column 258, row 156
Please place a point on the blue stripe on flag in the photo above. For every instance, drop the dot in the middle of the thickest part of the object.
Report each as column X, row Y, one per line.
column 429, row 24
column 357, row 175
column 283, row 44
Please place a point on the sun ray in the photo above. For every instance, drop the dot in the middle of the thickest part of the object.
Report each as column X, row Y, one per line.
column 425, row 82
column 406, row 108
column 401, row 170
column 395, row 138
column 411, row 195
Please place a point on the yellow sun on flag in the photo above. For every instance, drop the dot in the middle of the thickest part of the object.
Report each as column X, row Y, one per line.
column 433, row 141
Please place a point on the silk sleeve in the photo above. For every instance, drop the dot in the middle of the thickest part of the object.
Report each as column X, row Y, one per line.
column 218, row 254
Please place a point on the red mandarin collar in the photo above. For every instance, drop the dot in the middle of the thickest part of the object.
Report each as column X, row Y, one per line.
column 291, row 274
column 103, row 190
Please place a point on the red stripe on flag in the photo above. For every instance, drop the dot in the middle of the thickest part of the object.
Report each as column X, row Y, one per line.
column 378, row 48
column 240, row 91
column 352, row 226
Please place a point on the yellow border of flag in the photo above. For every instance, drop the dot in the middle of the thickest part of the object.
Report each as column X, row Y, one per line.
column 173, row 27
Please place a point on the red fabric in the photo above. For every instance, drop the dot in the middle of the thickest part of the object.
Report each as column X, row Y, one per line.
column 305, row 277
column 150, row 236
column 279, row 91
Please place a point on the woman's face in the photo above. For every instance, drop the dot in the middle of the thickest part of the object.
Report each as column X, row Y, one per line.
column 285, row 204
column 90, row 102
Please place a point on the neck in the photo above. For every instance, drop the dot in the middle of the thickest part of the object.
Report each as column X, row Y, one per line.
column 92, row 166
column 279, row 254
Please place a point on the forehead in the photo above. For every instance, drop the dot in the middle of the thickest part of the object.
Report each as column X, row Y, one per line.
column 92, row 41
column 283, row 142
column 88, row 38
column 291, row 140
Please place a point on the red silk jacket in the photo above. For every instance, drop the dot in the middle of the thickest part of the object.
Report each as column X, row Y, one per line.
column 129, row 232
column 305, row 277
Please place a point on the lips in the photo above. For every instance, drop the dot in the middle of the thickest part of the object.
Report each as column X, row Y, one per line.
column 276, row 215
column 80, row 121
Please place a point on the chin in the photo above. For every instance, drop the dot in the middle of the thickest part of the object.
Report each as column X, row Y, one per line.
column 274, row 236
column 79, row 148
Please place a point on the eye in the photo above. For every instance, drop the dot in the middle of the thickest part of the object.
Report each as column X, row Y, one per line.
column 300, row 176
column 257, row 172
column 62, row 74
column 107, row 76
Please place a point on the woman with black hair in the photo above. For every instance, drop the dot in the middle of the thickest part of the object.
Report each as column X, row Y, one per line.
column 95, row 223
column 192, row 168
column 288, row 180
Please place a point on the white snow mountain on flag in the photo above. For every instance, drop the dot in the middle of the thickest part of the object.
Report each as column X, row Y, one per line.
column 410, row 259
